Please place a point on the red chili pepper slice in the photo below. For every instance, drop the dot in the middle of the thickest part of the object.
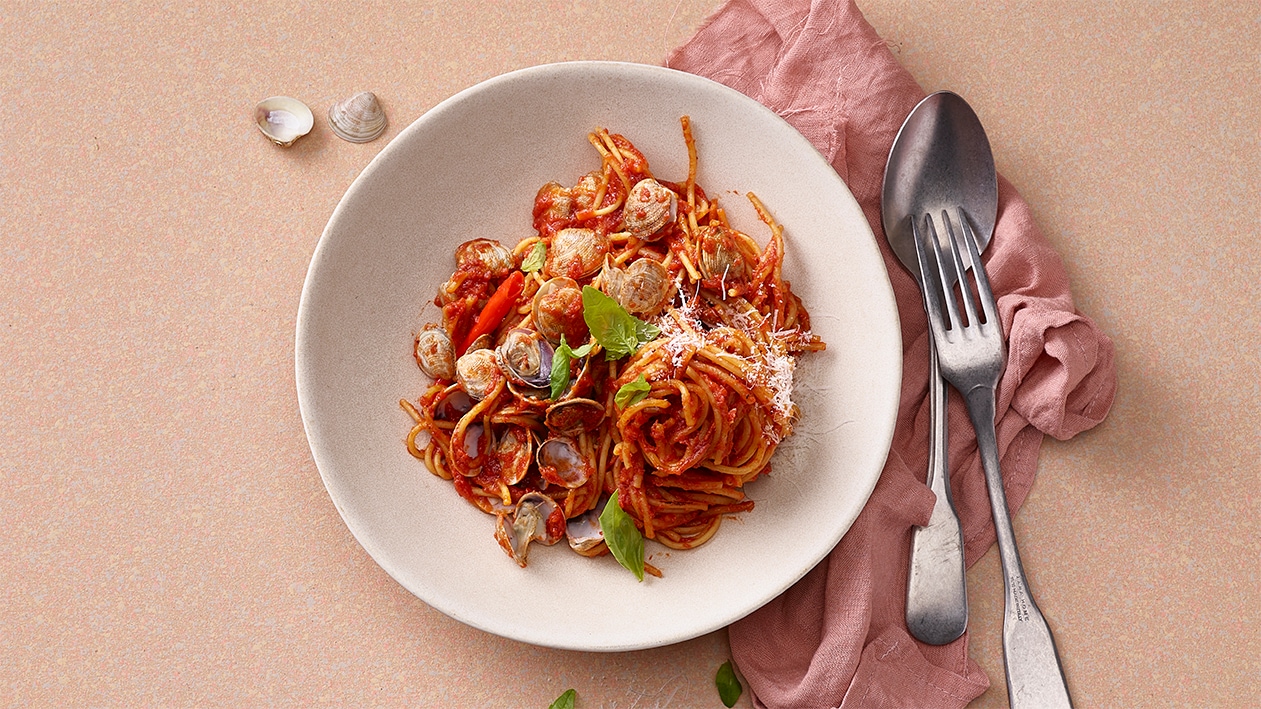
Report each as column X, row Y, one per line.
column 496, row 308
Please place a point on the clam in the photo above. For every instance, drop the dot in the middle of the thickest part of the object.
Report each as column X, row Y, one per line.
column 554, row 202
column 587, row 188
column 647, row 288
column 537, row 518
column 547, row 515
column 557, row 310
column 574, row 416
column 488, row 254
column 470, row 443
column 611, row 279
column 561, row 462
column 530, row 396
column 576, row 253
column 435, row 354
column 453, row 405
column 643, row 288
column 514, row 450
column 283, row 120
column 584, row 533
column 357, row 119
column 446, row 296
column 482, row 342
column 649, row 206
column 526, row 357
column 720, row 255
column 514, row 542
column 478, row 373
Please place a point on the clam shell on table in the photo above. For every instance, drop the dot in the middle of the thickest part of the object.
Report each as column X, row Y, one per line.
column 283, row 119
column 357, row 119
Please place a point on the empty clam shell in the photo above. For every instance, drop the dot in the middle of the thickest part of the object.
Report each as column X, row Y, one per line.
column 283, row 119
column 584, row 533
column 561, row 462
column 357, row 119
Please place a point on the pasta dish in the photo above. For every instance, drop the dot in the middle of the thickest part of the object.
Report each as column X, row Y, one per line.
column 621, row 374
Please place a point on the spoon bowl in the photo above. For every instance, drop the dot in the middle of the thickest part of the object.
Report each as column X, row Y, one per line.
column 941, row 159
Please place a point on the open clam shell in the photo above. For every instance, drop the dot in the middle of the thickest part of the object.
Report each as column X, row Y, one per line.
column 283, row 119
column 562, row 463
column 574, row 416
column 514, row 449
column 584, row 533
column 357, row 119
column 537, row 518
column 526, row 357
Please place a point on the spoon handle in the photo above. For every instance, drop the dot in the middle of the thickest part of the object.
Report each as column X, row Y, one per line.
column 937, row 587
column 1035, row 677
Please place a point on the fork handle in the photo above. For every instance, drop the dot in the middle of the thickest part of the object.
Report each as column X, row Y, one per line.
column 1035, row 677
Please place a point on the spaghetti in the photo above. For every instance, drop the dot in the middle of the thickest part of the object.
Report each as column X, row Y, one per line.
column 637, row 344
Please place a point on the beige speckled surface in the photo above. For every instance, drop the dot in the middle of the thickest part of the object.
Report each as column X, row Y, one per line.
column 167, row 539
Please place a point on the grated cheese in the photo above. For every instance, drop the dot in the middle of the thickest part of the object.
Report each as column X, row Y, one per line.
column 770, row 365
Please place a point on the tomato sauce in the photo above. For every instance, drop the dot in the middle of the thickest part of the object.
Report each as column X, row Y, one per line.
column 461, row 306
column 556, row 523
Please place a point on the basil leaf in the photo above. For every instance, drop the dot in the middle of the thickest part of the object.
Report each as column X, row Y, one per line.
column 560, row 365
column 617, row 331
column 560, row 368
column 632, row 393
column 645, row 332
column 609, row 323
column 565, row 701
column 729, row 688
column 623, row 537
column 535, row 259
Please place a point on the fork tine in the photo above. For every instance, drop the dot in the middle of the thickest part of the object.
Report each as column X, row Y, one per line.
column 986, row 293
column 965, row 290
column 945, row 272
column 932, row 278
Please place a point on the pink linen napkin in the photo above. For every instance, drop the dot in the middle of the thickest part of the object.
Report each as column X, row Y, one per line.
column 838, row 637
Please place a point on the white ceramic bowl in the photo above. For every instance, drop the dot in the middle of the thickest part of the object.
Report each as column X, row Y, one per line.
column 470, row 167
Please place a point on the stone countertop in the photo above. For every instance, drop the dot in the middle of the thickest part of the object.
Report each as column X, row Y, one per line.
column 168, row 540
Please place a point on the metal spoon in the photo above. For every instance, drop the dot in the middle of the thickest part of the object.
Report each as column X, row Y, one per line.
column 941, row 159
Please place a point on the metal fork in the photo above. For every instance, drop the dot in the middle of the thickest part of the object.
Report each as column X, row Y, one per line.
column 972, row 357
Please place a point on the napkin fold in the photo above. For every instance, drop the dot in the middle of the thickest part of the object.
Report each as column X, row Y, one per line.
column 838, row 637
